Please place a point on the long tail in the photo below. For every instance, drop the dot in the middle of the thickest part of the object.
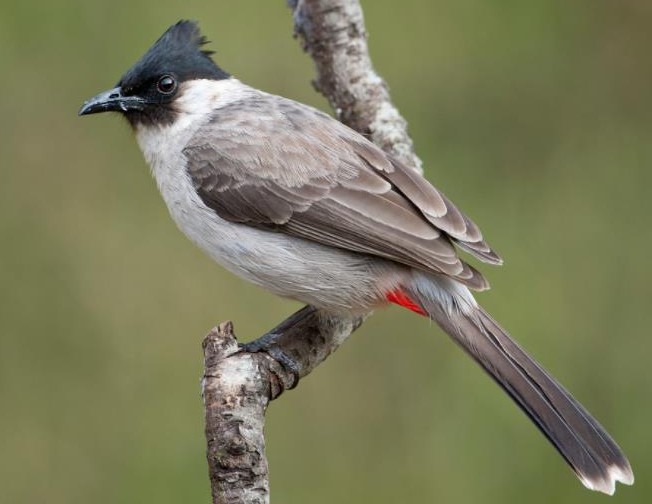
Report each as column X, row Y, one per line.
column 594, row 456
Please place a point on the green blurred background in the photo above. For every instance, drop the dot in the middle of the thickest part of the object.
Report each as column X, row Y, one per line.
column 535, row 117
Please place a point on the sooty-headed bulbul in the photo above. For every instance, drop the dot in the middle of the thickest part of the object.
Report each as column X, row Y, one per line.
column 296, row 202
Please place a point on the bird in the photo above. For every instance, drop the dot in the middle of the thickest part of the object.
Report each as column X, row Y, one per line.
column 292, row 200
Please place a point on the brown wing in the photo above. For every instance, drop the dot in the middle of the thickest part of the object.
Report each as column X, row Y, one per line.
column 298, row 171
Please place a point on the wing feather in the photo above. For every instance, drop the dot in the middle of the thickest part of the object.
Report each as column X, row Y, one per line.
column 298, row 171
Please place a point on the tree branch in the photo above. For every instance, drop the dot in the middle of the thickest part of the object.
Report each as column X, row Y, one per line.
column 334, row 34
column 238, row 385
column 237, row 388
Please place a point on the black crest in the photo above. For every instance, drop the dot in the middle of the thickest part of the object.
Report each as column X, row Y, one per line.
column 178, row 52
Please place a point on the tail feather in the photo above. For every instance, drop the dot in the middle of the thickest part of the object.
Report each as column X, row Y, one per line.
column 580, row 439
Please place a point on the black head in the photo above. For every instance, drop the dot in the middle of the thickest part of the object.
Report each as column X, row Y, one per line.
column 146, row 92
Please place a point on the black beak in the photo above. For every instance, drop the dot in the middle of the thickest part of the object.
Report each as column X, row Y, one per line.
column 112, row 101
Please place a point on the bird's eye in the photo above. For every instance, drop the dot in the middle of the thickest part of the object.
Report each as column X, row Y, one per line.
column 166, row 85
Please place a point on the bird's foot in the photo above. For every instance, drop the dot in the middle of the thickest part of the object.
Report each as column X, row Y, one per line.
column 267, row 344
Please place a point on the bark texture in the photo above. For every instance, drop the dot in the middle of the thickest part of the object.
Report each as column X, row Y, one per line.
column 237, row 387
column 239, row 384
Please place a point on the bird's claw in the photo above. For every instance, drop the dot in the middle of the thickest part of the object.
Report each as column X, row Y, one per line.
column 266, row 344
